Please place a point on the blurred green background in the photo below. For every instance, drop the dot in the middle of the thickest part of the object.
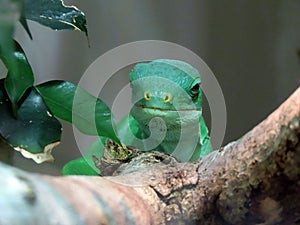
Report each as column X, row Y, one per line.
column 251, row 46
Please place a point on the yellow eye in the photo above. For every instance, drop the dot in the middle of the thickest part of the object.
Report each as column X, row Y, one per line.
column 167, row 98
column 147, row 96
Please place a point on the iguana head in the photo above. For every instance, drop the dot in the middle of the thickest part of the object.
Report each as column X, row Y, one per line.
column 168, row 89
column 166, row 84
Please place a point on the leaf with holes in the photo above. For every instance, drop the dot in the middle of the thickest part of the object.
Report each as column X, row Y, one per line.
column 55, row 14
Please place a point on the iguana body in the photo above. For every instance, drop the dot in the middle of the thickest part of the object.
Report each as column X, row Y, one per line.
column 168, row 93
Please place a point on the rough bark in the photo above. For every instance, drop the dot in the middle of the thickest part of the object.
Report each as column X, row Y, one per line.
column 254, row 180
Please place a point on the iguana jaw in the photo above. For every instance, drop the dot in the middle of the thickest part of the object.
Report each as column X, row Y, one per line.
column 166, row 109
column 181, row 116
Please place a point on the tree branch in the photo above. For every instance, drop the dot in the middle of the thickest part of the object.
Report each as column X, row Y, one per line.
column 254, row 180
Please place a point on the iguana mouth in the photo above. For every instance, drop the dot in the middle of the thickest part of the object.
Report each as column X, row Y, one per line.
column 166, row 109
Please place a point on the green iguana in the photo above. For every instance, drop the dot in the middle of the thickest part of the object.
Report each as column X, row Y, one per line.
column 167, row 93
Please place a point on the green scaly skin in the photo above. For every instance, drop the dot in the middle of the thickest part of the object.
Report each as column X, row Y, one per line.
column 170, row 90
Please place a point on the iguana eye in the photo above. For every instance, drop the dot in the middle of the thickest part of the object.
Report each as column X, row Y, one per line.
column 195, row 89
column 167, row 98
column 147, row 96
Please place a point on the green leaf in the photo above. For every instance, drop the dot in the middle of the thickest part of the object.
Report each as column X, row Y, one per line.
column 10, row 13
column 55, row 14
column 23, row 20
column 85, row 165
column 15, row 60
column 79, row 167
column 20, row 75
column 35, row 132
column 89, row 114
